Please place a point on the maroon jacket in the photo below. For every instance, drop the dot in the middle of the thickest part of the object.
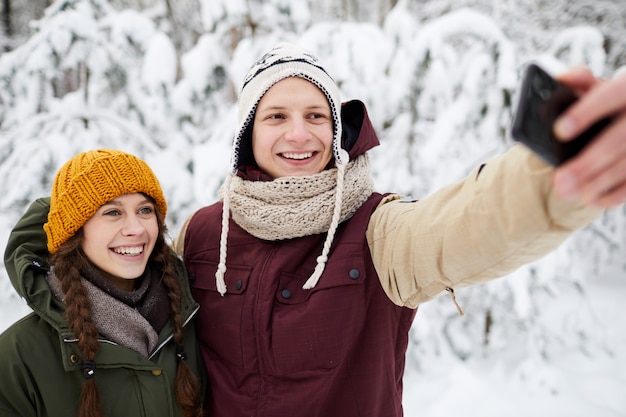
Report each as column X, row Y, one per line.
column 272, row 349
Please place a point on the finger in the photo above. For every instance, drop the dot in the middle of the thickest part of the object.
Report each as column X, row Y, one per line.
column 598, row 168
column 580, row 79
column 603, row 99
column 608, row 189
column 611, row 199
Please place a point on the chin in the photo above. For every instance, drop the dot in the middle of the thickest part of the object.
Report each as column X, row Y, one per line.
column 131, row 275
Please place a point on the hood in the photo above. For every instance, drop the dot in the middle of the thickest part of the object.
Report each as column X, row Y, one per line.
column 357, row 138
column 25, row 259
column 26, row 263
column 359, row 135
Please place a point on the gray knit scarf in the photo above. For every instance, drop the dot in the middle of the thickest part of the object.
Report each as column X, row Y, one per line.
column 120, row 322
column 290, row 207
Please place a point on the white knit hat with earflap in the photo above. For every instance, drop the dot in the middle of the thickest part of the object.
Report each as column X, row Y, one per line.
column 284, row 60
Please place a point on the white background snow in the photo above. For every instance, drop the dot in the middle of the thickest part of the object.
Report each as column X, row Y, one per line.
column 549, row 340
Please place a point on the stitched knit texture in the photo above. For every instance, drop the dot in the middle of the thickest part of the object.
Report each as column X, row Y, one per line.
column 91, row 179
column 290, row 207
column 284, row 60
column 118, row 321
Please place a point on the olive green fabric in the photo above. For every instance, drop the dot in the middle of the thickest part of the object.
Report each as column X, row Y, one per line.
column 40, row 363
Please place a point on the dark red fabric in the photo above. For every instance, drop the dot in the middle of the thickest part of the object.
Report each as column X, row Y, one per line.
column 272, row 349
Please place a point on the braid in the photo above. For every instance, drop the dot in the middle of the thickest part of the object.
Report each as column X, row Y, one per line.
column 187, row 383
column 68, row 262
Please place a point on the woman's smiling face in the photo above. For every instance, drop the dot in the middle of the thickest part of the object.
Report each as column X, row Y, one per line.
column 292, row 133
column 120, row 236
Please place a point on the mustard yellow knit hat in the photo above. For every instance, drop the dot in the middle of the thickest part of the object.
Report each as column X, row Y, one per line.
column 89, row 180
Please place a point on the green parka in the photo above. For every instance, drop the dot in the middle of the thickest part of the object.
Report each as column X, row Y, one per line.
column 40, row 372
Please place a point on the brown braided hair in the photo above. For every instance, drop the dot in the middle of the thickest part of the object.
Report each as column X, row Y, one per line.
column 69, row 260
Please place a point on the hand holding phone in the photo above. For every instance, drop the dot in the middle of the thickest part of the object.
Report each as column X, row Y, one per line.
column 541, row 100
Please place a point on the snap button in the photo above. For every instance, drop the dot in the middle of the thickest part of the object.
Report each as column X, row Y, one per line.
column 354, row 273
column 156, row 372
column 192, row 277
column 239, row 285
column 74, row 358
column 286, row 294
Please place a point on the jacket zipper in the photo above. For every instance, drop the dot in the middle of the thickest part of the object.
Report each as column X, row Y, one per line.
column 157, row 349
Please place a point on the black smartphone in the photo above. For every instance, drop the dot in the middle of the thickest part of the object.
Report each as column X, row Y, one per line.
column 541, row 100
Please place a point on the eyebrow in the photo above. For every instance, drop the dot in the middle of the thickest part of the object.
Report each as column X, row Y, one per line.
column 115, row 202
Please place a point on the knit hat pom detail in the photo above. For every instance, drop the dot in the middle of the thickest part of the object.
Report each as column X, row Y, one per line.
column 91, row 179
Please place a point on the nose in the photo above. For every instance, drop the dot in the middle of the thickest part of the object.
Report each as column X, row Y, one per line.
column 132, row 225
column 297, row 130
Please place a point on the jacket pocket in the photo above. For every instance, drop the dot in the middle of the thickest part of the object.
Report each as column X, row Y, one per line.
column 219, row 319
column 315, row 329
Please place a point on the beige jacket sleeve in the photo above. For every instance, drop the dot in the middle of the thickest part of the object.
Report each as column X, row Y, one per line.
column 502, row 216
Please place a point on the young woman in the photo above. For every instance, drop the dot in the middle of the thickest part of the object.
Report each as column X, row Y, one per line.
column 308, row 280
column 112, row 332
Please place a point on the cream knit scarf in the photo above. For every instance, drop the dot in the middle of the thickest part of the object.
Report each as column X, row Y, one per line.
column 290, row 207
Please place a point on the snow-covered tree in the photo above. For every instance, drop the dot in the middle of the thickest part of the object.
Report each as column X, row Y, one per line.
column 160, row 79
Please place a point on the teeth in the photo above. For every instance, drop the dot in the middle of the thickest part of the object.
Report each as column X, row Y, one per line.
column 129, row 250
column 291, row 155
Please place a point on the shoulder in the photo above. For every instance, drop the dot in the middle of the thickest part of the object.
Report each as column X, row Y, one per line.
column 210, row 210
column 390, row 202
column 195, row 221
column 29, row 337
column 205, row 220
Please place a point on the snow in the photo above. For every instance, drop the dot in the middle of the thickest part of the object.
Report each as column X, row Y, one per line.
column 514, row 382
column 440, row 94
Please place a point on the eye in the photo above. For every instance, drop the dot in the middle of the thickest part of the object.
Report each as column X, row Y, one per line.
column 112, row 213
column 319, row 117
column 276, row 116
column 146, row 210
